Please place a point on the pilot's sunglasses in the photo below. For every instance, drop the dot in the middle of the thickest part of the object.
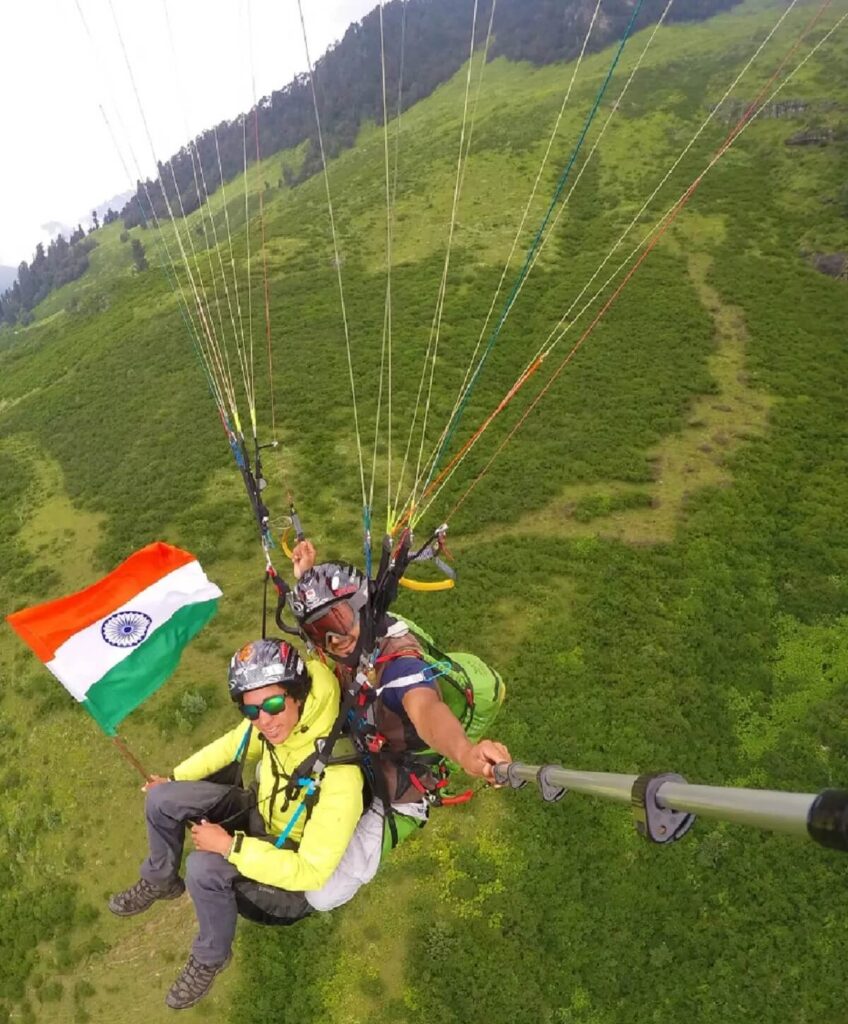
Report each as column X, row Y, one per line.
column 271, row 706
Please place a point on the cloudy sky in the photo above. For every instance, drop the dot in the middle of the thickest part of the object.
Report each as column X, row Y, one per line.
column 62, row 62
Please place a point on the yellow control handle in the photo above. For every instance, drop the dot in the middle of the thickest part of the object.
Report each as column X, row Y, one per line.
column 420, row 585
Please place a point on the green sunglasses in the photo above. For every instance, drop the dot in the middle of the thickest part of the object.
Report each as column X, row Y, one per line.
column 271, row 706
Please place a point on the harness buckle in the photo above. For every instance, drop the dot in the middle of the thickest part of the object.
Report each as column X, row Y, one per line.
column 376, row 743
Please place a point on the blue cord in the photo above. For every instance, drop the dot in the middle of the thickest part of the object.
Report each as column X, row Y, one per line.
column 244, row 741
column 310, row 785
column 443, row 667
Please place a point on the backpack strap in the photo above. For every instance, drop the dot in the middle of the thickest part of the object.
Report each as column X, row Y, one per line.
column 307, row 804
column 299, row 780
column 241, row 756
column 241, row 753
column 455, row 676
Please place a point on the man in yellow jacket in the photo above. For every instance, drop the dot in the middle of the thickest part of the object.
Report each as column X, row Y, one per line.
column 256, row 850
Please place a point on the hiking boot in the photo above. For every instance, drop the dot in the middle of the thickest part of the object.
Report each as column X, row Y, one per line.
column 194, row 982
column 142, row 895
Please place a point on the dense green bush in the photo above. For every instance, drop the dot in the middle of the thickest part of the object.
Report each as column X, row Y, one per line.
column 83, row 990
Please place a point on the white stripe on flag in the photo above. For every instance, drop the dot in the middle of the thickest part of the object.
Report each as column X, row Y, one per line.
column 86, row 656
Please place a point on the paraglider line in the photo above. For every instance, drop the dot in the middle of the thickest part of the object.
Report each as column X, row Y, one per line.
column 749, row 115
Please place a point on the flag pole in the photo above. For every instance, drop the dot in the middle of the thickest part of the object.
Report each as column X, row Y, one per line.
column 130, row 757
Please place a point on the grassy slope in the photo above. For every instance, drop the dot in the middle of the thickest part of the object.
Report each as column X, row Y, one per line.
column 671, row 521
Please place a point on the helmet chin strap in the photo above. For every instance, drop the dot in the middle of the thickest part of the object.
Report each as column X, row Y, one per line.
column 351, row 660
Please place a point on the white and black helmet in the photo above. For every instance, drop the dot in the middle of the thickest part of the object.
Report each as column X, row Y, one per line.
column 265, row 662
column 329, row 599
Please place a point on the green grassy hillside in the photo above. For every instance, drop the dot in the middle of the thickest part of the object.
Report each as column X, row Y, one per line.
column 657, row 564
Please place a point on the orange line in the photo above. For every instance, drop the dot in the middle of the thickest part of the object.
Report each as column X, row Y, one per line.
column 684, row 199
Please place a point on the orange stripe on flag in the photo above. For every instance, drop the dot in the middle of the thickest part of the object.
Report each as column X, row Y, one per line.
column 45, row 627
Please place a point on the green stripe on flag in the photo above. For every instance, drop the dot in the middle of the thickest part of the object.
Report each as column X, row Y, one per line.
column 141, row 673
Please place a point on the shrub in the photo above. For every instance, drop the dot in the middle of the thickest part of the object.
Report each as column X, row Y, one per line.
column 50, row 992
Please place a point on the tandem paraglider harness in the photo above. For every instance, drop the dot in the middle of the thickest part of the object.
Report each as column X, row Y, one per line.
column 426, row 771
column 238, row 811
column 471, row 689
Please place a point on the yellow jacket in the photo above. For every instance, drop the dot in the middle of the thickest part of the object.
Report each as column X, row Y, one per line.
column 325, row 837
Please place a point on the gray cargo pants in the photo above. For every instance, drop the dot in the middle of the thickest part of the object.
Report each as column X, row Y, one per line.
column 210, row 878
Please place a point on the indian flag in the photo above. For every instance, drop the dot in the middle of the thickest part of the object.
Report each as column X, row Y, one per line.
column 116, row 642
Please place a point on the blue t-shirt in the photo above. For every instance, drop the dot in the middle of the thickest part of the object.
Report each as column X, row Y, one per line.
column 392, row 696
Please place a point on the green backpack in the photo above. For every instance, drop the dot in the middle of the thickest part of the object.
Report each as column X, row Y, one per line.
column 474, row 692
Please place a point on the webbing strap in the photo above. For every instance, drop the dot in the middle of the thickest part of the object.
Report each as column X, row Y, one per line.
column 429, row 674
column 311, row 786
column 241, row 753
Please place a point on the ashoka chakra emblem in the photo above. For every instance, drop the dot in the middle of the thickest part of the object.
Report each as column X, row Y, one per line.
column 125, row 629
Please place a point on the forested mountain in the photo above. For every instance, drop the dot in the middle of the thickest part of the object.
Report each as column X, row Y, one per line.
column 426, row 41
column 63, row 261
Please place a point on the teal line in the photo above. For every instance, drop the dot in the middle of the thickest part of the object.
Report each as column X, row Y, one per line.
column 453, row 423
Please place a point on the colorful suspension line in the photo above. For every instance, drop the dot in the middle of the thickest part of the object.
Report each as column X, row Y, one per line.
column 214, row 358
column 336, row 254
column 366, row 538
column 265, row 284
column 435, row 324
column 752, row 111
column 168, row 268
column 386, row 346
column 441, row 480
column 525, row 269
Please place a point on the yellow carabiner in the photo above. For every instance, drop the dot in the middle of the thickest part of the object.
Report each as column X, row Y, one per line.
column 421, row 586
column 284, row 541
